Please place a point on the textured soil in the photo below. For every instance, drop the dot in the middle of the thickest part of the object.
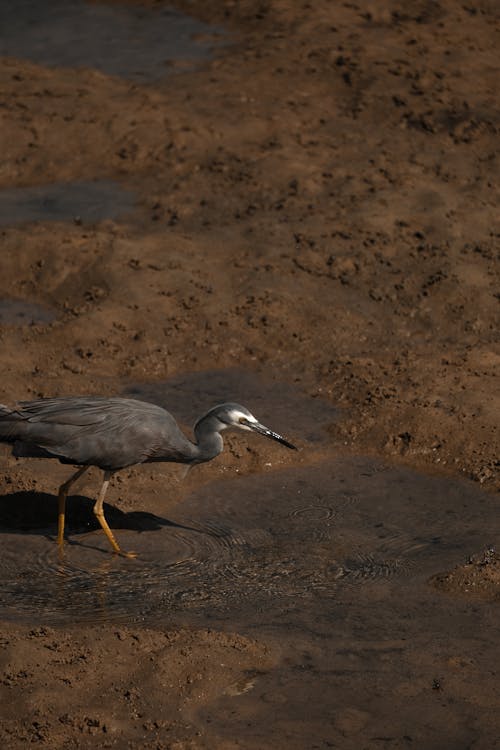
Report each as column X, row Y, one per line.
column 318, row 205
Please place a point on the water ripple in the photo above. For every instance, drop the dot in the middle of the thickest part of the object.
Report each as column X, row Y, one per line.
column 397, row 556
column 257, row 543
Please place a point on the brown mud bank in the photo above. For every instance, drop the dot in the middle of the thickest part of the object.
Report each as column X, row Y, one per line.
column 296, row 208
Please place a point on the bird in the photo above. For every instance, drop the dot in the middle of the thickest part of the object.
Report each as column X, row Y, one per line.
column 113, row 434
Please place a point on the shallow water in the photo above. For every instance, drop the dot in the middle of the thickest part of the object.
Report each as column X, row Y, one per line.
column 87, row 202
column 310, row 535
column 133, row 42
column 19, row 312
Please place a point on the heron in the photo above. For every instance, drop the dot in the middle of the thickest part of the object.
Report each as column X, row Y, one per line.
column 113, row 434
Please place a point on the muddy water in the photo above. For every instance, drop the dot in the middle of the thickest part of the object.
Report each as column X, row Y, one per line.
column 311, row 535
column 329, row 562
column 17, row 312
column 75, row 201
column 342, row 586
column 137, row 43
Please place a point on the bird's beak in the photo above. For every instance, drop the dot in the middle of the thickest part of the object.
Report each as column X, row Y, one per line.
column 262, row 430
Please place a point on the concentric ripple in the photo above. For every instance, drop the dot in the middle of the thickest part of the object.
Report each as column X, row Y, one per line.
column 397, row 556
column 184, row 565
column 313, row 513
column 87, row 582
column 256, row 544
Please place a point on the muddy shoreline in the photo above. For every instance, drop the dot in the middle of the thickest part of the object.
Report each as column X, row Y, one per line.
column 305, row 220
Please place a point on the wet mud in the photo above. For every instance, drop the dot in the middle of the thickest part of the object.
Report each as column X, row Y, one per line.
column 194, row 393
column 77, row 202
column 294, row 209
column 18, row 312
column 118, row 39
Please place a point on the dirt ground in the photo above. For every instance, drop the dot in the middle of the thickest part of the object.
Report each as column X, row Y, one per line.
column 317, row 204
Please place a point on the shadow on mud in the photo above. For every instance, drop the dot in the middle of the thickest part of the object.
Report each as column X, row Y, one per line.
column 36, row 513
column 279, row 405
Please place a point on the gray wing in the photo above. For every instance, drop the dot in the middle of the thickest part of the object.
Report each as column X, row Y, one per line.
column 107, row 432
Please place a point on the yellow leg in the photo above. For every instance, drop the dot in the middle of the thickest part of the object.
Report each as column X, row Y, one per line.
column 99, row 514
column 63, row 493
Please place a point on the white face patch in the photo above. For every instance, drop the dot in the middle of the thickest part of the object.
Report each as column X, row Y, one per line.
column 235, row 415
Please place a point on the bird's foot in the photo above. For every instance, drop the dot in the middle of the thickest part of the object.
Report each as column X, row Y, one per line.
column 130, row 555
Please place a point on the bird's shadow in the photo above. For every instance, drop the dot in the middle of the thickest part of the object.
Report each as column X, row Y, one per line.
column 36, row 513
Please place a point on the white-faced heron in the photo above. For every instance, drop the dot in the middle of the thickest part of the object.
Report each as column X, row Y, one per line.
column 114, row 433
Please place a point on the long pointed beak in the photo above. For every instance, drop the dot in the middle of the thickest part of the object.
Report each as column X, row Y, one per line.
column 262, row 430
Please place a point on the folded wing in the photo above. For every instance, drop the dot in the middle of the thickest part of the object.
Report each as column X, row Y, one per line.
column 111, row 433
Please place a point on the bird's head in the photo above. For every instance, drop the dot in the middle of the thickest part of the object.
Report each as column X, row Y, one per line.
column 234, row 415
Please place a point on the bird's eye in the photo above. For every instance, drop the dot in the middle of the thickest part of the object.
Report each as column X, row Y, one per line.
column 242, row 420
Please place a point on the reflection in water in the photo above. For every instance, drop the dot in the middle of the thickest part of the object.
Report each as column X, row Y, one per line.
column 87, row 582
column 251, row 545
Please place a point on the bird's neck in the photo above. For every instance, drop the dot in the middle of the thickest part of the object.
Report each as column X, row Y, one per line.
column 209, row 442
